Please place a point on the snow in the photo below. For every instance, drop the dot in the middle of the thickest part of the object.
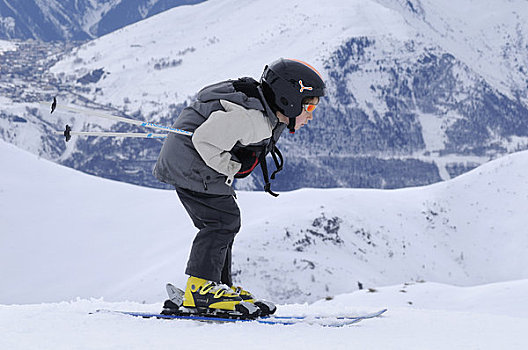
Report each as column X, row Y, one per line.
column 207, row 51
column 6, row 46
column 440, row 317
column 483, row 34
column 490, row 40
column 465, row 231
column 59, row 222
column 99, row 9
column 73, row 243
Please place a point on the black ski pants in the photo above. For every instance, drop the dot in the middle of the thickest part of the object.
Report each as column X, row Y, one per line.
column 218, row 219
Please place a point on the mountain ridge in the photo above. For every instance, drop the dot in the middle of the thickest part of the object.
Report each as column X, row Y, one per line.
column 417, row 93
column 75, row 20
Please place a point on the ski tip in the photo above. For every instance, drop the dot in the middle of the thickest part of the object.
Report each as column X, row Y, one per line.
column 379, row 313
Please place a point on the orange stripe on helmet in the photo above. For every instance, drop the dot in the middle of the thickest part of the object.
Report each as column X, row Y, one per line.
column 307, row 65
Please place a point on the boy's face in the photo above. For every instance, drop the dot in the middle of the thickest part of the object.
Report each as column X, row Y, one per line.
column 305, row 116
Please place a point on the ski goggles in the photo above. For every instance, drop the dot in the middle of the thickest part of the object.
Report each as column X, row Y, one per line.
column 308, row 107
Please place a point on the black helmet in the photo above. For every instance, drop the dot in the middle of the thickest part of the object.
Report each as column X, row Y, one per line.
column 287, row 82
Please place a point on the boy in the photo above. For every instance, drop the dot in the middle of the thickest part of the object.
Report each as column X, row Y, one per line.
column 235, row 124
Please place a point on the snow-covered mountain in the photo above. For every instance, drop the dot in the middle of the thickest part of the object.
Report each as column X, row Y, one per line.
column 73, row 235
column 47, row 20
column 52, row 20
column 419, row 91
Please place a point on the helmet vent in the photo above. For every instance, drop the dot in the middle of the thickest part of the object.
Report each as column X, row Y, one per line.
column 284, row 101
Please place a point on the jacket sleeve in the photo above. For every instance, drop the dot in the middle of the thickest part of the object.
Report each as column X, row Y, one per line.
column 223, row 129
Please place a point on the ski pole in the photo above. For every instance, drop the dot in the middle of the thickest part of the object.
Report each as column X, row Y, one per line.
column 68, row 134
column 120, row 119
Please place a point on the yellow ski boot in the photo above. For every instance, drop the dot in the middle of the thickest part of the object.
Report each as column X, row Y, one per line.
column 208, row 297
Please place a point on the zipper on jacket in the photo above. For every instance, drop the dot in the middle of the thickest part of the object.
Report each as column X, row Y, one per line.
column 205, row 184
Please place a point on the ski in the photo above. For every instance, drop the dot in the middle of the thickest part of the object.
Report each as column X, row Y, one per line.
column 346, row 318
column 173, row 309
column 325, row 321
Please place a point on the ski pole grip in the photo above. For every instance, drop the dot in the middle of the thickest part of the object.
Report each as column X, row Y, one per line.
column 67, row 133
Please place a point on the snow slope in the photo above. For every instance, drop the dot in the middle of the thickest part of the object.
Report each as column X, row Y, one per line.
column 66, row 235
column 76, row 235
column 466, row 231
column 421, row 316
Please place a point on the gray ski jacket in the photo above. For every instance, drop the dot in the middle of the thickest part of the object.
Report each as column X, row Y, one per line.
column 225, row 121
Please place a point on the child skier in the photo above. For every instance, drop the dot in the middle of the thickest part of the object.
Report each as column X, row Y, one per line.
column 235, row 124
